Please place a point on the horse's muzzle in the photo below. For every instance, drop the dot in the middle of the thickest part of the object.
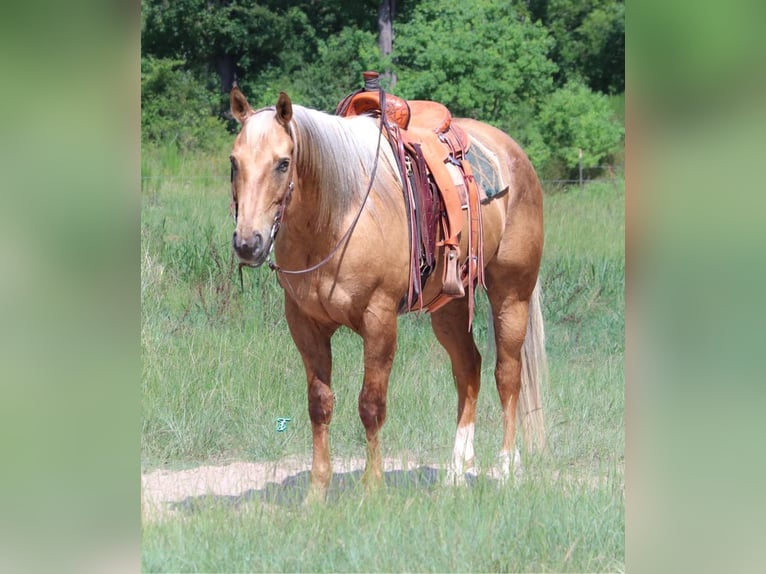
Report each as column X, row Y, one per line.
column 252, row 249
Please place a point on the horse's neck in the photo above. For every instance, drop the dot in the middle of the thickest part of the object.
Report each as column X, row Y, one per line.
column 307, row 210
column 300, row 243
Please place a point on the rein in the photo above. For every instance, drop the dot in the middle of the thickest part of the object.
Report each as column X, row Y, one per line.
column 346, row 236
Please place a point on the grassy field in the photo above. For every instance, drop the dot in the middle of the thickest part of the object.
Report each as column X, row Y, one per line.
column 219, row 367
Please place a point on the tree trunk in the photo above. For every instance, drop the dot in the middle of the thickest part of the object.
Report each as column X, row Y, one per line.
column 386, row 12
column 227, row 71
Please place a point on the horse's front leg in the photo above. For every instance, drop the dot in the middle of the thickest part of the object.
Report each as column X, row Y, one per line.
column 379, row 334
column 313, row 342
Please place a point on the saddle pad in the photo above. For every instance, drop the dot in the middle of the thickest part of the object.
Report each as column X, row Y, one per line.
column 487, row 171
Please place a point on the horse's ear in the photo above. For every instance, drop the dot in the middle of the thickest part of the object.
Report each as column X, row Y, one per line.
column 240, row 109
column 284, row 109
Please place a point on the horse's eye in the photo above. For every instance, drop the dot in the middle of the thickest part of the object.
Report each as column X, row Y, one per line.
column 283, row 165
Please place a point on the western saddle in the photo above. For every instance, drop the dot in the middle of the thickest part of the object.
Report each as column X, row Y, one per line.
column 438, row 184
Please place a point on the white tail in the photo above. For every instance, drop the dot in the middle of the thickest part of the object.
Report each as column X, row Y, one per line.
column 534, row 371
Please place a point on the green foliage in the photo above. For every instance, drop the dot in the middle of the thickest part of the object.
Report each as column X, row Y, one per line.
column 489, row 62
column 600, row 46
column 323, row 80
column 575, row 118
column 256, row 36
column 521, row 67
column 178, row 109
column 315, row 51
column 199, row 30
column 339, row 66
column 481, row 60
column 590, row 40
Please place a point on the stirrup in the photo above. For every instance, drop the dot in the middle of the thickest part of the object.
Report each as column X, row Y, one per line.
column 452, row 286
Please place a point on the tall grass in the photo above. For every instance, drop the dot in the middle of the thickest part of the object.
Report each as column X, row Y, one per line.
column 533, row 527
column 219, row 367
column 584, row 287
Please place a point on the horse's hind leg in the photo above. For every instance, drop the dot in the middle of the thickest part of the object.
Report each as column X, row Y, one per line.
column 450, row 324
column 510, row 324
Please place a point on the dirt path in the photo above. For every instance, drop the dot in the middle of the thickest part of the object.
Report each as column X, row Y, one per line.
column 166, row 493
column 163, row 492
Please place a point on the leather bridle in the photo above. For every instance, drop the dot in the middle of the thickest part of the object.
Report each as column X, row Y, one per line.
column 280, row 214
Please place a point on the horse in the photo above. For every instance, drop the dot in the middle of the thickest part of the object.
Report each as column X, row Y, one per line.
column 320, row 198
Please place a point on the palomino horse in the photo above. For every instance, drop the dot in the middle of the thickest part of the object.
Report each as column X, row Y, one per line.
column 332, row 190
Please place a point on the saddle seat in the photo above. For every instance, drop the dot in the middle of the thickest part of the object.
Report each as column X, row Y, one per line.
column 438, row 185
column 429, row 115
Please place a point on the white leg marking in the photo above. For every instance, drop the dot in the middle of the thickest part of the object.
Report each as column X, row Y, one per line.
column 504, row 462
column 462, row 452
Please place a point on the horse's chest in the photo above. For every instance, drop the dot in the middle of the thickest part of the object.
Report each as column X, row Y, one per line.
column 324, row 300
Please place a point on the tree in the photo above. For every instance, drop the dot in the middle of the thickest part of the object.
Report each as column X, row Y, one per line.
column 483, row 60
column 590, row 40
column 177, row 108
column 334, row 71
column 489, row 59
column 234, row 38
column 575, row 118
column 241, row 38
column 386, row 14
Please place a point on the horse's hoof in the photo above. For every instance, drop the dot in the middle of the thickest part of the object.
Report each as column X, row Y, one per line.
column 315, row 495
column 454, row 478
column 510, row 466
column 372, row 481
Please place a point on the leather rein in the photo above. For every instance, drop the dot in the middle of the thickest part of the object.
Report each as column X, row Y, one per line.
column 280, row 214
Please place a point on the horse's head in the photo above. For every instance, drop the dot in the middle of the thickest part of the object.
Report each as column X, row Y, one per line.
column 261, row 174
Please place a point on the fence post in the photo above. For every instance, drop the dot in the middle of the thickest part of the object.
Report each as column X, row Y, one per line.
column 580, row 154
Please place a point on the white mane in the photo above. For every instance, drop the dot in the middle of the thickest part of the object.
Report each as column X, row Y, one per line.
column 338, row 155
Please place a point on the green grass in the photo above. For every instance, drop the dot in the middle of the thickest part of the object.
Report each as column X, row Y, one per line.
column 534, row 527
column 219, row 367
column 583, row 277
